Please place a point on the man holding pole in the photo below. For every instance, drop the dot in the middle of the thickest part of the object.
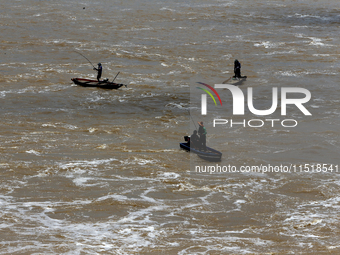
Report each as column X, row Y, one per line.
column 99, row 70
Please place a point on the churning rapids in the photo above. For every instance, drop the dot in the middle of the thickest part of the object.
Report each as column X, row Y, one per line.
column 93, row 171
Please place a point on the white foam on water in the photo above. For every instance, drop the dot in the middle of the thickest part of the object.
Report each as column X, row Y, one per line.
column 82, row 181
column 113, row 196
column 288, row 73
column 138, row 161
column 85, row 163
column 34, row 152
column 316, row 41
column 269, row 44
column 168, row 175
column 176, row 105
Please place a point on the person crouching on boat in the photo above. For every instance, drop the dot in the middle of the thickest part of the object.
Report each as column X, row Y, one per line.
column 194, row 140
column 237, row 69
column 202, row 132
column 99, row 70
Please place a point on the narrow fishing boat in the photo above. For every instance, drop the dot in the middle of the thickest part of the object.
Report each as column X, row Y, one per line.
column 105, row 84
column 209, row 154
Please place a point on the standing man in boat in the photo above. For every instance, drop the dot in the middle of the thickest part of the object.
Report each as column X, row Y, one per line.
column 237, row 69
column 202, row 132
column 99, row 70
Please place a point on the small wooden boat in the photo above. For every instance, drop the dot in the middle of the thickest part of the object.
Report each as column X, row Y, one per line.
column 235, row 81
column 209, row 154
column 105, row 84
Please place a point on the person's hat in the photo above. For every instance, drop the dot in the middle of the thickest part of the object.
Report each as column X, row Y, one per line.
column 99, row 64
column 201, row 123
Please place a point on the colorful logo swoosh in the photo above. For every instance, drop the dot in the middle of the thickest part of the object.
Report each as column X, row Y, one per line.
column 208, row 92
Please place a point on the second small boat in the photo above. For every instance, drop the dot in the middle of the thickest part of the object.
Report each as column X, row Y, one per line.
column 209, row 154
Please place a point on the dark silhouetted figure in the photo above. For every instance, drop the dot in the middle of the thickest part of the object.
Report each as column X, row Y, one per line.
column 99, row 70
column 237, row 69
column 202, row 132
column 194, row 140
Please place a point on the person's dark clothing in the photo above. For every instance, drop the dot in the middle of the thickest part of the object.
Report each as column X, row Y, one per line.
column 99, row 70
column 203, row 142
column 237, row 69
column 203, row 139
column 194, row 140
